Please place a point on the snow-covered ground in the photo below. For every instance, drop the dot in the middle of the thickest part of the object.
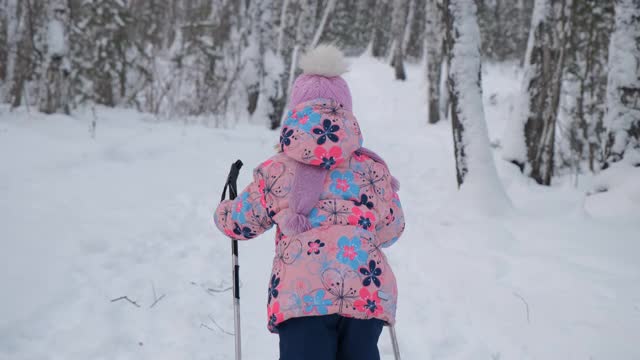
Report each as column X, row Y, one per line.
column 85, row 221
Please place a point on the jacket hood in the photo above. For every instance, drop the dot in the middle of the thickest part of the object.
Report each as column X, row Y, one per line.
column 320, row 132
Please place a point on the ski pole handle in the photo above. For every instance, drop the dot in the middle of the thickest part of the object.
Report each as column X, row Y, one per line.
column 232, row 181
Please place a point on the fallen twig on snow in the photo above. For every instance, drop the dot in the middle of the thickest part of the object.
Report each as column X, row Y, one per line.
column 126, row 298
column 526, row 304
column 212, row 291
column 216, row 324
column 220, row 327
column 219, row 290
column 206, row 327
column 156, row 299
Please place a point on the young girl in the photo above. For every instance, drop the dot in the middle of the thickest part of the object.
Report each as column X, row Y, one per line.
column 335, row 206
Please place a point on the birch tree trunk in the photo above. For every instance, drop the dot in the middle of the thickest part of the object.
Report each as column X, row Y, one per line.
column 623, row 86
column 475, row 167
column 331, row 4
column 530, row 139
column 398, row 29
column 19, row 54
column 4, row 40
column 377, row 46
column 254, row 54
column 54, row 87
column 434, row 47
column 406, row 37
column 584, row 84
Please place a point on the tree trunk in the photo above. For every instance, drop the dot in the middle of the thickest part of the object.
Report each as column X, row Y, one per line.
column 4, row 39
column 584, row 83
column 623, row 86
column 546, row 61
column 434, row 46
column 54, row 87
column 19, row 54
column 530, row 139
column 318, row 35
column 255, row 55
column 283, row 25
column 398, row 27
column 406, row 37
column 378, row 45
column 475, row 168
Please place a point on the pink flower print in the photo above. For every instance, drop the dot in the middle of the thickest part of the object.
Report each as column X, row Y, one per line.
column 228, row 232
column 369, row 303
column 362, row 219
column 327, row 159
column 266, row 163
column 349, row 252
column 342, row 184
column 314, row 247
column 275, row 316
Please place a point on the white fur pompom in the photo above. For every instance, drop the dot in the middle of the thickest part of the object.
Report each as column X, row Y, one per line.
column 325, row 60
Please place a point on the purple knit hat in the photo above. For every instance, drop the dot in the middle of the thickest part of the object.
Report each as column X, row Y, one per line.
column 321, row 78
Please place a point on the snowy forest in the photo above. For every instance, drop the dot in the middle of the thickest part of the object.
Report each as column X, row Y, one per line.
column 217, row 58
column 513, row 126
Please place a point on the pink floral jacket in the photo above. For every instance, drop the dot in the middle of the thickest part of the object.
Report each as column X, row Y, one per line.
column 337, row 267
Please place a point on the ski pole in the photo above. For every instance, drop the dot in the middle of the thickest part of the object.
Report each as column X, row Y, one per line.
column 231, row 183
column 394, row 342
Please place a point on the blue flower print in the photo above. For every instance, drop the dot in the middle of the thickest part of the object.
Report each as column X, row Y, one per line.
column 241, row 206
column 315, row 218
column 304, row 119
column 343, row 184
column 350, row 252
column 318, row 302
column 371, row 274
column 326, row 131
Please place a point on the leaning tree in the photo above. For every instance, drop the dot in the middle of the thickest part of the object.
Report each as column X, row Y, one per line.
column 475, row 167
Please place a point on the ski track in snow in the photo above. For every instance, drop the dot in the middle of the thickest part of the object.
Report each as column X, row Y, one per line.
column 86, row 221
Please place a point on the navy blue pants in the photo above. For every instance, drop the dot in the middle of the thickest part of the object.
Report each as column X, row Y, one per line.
column 329, row 337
